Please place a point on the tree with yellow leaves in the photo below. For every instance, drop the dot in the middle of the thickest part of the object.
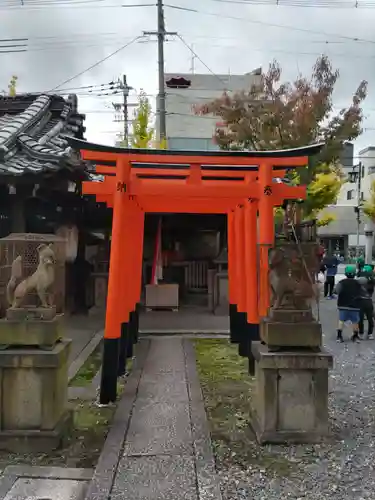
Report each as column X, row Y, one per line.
column 143, row 133
column 324, row 219
column 369, row 204
column 12, row 87
column 279, row 115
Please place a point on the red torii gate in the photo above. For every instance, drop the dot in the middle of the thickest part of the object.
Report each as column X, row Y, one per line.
column 239, row 184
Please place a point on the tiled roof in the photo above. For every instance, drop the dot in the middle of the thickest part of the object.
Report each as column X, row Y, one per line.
column 33, row 130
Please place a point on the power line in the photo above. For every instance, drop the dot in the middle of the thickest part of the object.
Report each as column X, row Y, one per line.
column 325, row 4
column 272, row 25
column 200, row 60
column 68, row 80
column 77, row 5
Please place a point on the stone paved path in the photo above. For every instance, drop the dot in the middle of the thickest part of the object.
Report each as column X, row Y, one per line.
column 167, row 452
column 81, row 330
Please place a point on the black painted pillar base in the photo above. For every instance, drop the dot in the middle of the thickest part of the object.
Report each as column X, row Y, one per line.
column 129, row 344
column 137, row 313
column 108, row 384
column 251, row 334
column 237, row 321
column 133, row 327
column 123, row 348
column 232, row 322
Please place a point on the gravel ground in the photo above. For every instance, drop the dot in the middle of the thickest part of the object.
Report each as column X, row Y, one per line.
column 341, row 468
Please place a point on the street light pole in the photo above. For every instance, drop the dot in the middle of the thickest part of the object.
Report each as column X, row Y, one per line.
column 356, row 177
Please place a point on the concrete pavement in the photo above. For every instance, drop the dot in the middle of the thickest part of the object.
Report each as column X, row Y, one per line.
column 159, row 446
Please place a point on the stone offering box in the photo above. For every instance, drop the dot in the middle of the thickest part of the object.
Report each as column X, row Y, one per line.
column 25, row 245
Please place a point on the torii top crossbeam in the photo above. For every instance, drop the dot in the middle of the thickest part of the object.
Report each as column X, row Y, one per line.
column 161, row 179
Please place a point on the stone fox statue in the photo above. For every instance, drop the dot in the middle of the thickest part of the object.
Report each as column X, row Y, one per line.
column 41, row 280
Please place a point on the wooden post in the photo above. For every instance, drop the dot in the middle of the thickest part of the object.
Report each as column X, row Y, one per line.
column 232, row 278
column 138, row 266
column 129, row 251
column 266, row 234
column 240, row 283
column 115, row 313
column 251, row 264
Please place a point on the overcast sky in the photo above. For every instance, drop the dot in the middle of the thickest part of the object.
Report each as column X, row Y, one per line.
column 70, row 36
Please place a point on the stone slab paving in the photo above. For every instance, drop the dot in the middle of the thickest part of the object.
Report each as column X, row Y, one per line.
column 81, row 329
column 166, row 452
column 35, row 483
column 186, row 320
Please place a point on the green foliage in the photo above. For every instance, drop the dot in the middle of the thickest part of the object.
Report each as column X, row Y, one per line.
column 278, row 115
column 322, row 191
column 143, row 132
column 324, row 219
column 369, row 205
column 12, row 87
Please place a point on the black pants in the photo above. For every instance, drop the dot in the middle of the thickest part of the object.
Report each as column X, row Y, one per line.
column 367, row 311
column 329, row 285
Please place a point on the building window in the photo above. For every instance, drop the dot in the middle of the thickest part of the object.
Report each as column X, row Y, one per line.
column 362, row 196
column 371, row 170
column 363, row 171
column 349, row 195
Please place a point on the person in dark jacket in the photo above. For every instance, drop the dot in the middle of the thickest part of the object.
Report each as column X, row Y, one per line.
column 349, row 292
column 330, row 263
column 366, row 279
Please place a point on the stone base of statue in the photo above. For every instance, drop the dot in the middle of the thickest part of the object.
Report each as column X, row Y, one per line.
column 291, row 401
column 30, row 326
column 33, row 398
column 291, row 328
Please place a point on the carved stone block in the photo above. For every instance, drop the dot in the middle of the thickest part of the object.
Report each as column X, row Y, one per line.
column 31, row 333
column 291, row 400
column 31, row 313
column 33, row 398
column 287, row 334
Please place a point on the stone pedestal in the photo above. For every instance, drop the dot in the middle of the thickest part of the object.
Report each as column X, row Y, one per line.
column 31, row 327
column 291, row 401
column 33, row 398
column 291, row 328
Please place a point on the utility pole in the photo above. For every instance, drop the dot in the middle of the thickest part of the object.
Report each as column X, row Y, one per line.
column 161, row 34
column 356, row 177
column 161, row 96
column 192, row 67
column 124, row 109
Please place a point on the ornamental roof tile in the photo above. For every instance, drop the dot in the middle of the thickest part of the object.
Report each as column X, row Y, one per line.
column 33, row 131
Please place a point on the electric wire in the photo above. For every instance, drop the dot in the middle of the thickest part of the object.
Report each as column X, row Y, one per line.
column 273, row 25
column 101, row 61
column 76, row 5
column 326, row 4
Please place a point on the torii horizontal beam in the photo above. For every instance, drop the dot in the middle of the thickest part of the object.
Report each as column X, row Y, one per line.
column 178, row 190
column 157, row 204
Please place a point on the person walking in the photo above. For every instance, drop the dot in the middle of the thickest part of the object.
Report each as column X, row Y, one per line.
column 330, row 263
column 366, row 279
column 349, row 292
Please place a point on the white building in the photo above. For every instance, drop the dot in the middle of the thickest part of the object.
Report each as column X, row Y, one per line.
column 344, row 234
column 349, row 191
column 186, row 129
